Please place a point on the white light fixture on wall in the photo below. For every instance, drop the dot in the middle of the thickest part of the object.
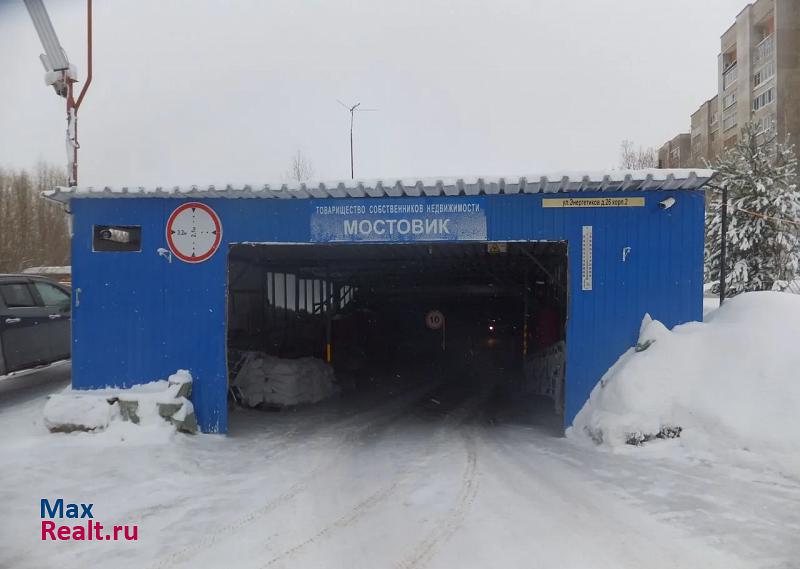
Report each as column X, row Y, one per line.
column 166, row 253
column 667, row 203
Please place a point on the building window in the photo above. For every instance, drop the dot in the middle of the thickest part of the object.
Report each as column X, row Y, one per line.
column 764, row 74
column 765, row 49
column 729, row 99
column 731, row 141
column 729, row 59
column 729, row 121
column 117, row 238
column 764, row 99
column 698, row 148
column 729, row 76
column 714, row 118
column 766, row 126
column 765, row 27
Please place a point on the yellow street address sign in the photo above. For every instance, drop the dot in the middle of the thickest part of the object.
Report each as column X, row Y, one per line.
column 593, row 202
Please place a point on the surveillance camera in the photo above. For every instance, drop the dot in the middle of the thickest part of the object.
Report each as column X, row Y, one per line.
column 667, row 203
column 116, row 235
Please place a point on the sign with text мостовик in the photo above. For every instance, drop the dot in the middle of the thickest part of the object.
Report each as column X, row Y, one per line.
column 399, row 219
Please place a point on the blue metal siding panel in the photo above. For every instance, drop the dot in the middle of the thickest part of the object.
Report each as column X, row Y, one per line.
column 661, row 276
column 140, row 318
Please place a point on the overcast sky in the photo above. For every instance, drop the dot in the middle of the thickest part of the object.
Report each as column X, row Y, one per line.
column 202, row 91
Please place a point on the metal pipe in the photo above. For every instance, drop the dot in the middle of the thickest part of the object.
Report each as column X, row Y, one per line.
column 72, row 131
column 264, row 302
column 525, row 316
column 352, row 170
column 273, row 299
column 88, row 56
column 296, row 295
column 73, row 105
column 328, row 318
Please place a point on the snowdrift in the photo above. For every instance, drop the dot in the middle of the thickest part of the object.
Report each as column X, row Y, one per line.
column 70, row 411
column 155, row 404
column 264, row 379
column 732, row 381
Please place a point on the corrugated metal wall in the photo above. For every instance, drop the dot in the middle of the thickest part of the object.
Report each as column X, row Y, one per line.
column 138, row 317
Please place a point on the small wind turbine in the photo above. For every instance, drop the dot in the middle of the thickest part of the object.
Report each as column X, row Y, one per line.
column 353, row 109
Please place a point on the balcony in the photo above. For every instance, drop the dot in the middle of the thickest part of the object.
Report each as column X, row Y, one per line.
column 729, row 121
column 763, row 74
column 765, row 49
column 728, row 100
column 729, row 76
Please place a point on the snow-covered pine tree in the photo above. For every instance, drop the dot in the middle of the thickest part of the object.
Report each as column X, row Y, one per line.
column 763, row 236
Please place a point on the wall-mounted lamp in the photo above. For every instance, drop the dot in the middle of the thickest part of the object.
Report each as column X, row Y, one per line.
column 667, row 203
column 165, row 253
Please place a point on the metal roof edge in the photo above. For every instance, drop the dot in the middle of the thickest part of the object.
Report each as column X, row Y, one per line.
column 561, row 182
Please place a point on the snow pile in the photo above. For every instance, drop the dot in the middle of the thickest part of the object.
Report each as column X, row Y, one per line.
column 147, row 404
column 729, row 382
column 73, row 411
column 264, row 379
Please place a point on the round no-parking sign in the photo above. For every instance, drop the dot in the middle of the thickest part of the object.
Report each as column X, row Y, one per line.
column 434, row 320
column 194, row 232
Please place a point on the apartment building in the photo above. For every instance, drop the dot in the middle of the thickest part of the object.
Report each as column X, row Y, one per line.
column 677, row 153
column 706, row 141
column 758, row 81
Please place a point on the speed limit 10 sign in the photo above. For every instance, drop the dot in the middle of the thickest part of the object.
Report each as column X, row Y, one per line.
column 434, row 320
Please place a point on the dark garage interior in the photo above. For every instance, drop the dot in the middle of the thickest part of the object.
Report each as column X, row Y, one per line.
column 373, row 311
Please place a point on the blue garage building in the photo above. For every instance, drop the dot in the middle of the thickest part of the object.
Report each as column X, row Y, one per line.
column 155, row 269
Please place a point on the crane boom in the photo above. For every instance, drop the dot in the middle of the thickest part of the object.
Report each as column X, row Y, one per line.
column 61, row 75
column 55, row 57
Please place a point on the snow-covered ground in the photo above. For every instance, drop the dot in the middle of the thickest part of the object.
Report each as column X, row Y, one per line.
column 428, row 473
column 389, row 483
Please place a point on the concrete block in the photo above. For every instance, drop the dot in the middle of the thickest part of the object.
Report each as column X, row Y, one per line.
column 188, row 424
column 128, row 409
column 167, row 410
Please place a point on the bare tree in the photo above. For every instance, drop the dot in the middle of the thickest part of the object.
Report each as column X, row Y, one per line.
column 33, row 231
column 632, row 158
column 301, row 168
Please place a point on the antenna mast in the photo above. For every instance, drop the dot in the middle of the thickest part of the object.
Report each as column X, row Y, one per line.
column 352, row 110
column 62, row 75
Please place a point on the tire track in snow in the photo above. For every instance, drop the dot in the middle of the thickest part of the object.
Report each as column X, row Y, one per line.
column 586, row 518
column 456, row 416
column 380, row 420
column 290, row 438
column 342, row 522
column 450, row 523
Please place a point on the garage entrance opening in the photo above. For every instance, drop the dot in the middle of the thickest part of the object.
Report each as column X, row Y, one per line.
column 306, row 322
